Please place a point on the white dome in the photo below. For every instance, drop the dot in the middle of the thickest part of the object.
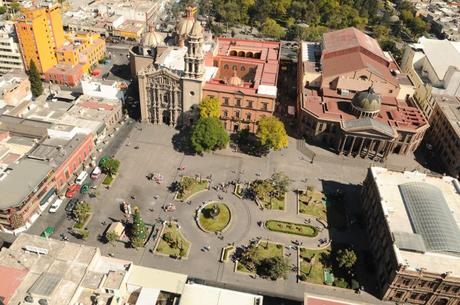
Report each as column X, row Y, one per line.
column 152, row 39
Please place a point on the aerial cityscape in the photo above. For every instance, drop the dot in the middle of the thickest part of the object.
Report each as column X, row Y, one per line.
column 229, row 152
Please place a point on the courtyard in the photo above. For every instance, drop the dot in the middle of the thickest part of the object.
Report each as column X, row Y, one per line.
column 155, row 153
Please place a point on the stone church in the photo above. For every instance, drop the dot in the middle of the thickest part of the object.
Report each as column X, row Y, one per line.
column 170, row 75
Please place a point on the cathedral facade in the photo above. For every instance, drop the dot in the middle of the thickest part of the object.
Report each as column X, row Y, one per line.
column 170, row 77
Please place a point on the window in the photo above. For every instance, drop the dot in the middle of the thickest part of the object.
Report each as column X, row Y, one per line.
column 398, row 295
column 238, row 102
column 264, row 106
column 363, row 77
column 243, row 68
column 234, row 68
column 225, row 67
column 225, row 113
column 248, row 116
column 237, row 114
column 225, row 100
column 250, row 104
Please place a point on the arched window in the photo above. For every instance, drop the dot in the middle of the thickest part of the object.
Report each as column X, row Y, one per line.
column 363, row 77
column 234, row 68
column 226, row 67
column 243, row 68
column 233, row 53
column 241, row 54
column 249, row 54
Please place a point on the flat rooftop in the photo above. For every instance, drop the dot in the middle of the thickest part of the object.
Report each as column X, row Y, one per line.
column 423, row 214
column 56, row 274
column 195, row 294
column 21, row 180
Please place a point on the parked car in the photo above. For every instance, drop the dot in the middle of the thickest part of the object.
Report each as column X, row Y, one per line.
column 96, row 173
column 55, row 206
column 72, row 190
column 81, row 177
column 71, row 205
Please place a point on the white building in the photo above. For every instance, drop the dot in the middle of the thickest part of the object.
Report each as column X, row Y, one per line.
column 107, row 89
column 10, row 56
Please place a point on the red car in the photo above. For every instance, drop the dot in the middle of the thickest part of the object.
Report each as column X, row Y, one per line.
column 72, row 190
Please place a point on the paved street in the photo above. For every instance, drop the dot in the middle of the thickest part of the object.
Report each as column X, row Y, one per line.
column 155, row 153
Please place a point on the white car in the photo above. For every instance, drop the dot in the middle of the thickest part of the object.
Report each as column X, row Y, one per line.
column 55, row 206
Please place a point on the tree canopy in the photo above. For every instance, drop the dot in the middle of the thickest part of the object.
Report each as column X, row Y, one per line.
column 138, row 230
column 110, row 167
column 346, row 258
column 208, row 134
column 209, row 107
column 272, row 132
column 36, row 85
column 272, row 29
column 273, row 267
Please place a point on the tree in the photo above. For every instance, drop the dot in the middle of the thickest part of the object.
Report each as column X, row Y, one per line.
column 111, row 237
column 110, row 166
column 208, row 134
column 271, row 132
column 346, row 258
column 280, row 182
column 272, row 29
column 2, row 10
column 273, row 267
column 81, row 210
column 138, row 230
column 262, row 188
column 15, row 6
column 36, row 85
column 184, row 184
column 209, row 107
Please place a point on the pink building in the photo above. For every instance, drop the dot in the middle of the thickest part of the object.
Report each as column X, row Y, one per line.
column 64, row 74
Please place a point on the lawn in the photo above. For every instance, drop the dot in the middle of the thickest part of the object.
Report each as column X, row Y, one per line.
column 196, row 187
column 312, row 204
column 107, row 180
column 276, row 203
column 263, row 250
column 219, row 222
column 311, row 264
column 173, row 250
column 291, row 228
column 80, row 224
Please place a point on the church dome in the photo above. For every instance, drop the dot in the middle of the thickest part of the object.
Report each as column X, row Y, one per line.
column 367, row 101
column 235, row 81
column 152, row 39
column 184, row 26
column 197, row 30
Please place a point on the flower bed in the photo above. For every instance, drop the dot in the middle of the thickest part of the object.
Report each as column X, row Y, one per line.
column 291, row 228
column 217, row 223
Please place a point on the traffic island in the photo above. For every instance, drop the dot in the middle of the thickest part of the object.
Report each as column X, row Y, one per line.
column 172, row 242
column 213, row 217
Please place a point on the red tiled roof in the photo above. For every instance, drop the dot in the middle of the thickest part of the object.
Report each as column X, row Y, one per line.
column 350, row 38
column 266, row 67
column 10, row 280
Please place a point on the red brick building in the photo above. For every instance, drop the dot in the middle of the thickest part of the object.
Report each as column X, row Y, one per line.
column 353, row 99
column 83, row 146
column 64, row 74
column 243, row 75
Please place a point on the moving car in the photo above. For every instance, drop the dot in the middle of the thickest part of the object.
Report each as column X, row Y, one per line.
column 72, row 190
column 55, row 206
column 71, row 205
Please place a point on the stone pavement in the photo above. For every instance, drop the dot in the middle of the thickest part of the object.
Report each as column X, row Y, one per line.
column 155, row 153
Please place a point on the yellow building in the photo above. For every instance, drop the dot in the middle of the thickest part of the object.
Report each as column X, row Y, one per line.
column 85, row 49
column 40, row 33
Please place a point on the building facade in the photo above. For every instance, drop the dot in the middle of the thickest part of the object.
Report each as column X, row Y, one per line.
column 40, row 34
column 443, row 138
column 14, row 88
column 171, row 78
column 353, row 99
column 10, row 55
column 241, row 74
column 416, row 263
column 244, row 79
